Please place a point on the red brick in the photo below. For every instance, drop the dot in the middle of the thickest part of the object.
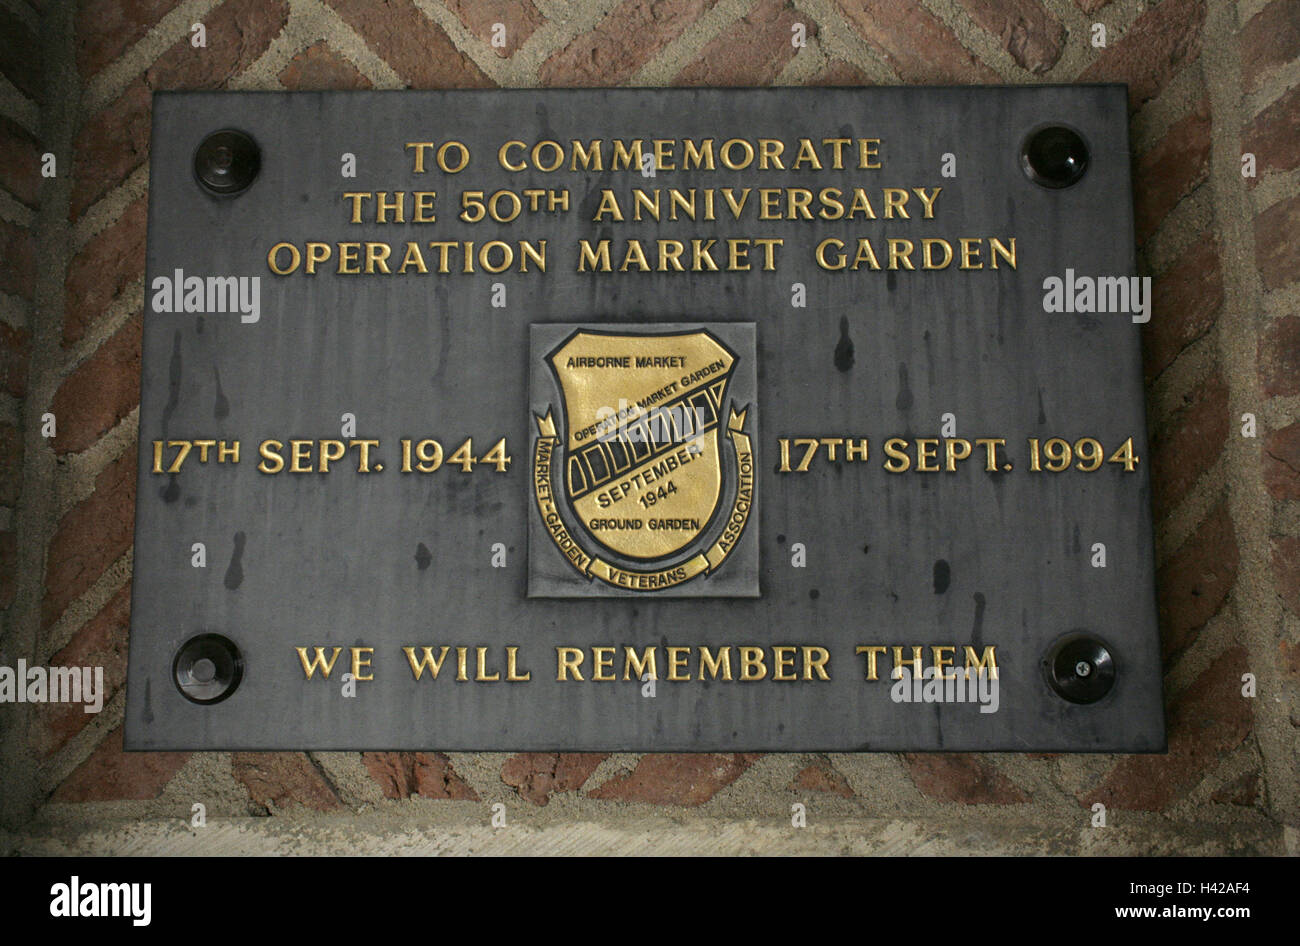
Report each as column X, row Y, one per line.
column 319, row 67
column 627, row 38
column 1206, row 721
column 1171, row 170
column 283, row 779
column 676, row 779
column 1289, row 658
column 1273, row 137
column 1196, row 580
column 416, row 47
column 113, row 775
column 11, row 464
column 93, row 535
column 1277, row 251
column 18, row 250
column 101, row 642
column 1243, row 791
column 107, row 28
column 1188, row 443
column 20, row 162
column 428, row 774
column 100, row 392
column 106, row 265
column 1282, row 463
column 963, row 778
column 1271, row 38
column 479, row 17
column 840, row 73
column 1152, row 50
column 1187, row 299
column 538, row 775
column 112, row 143
column 916, row 43
column 8, row 568
column 821, row 777
column 1026, row 31
column 20, row 55
column 115, row 141
column 753, row 51
column 1286, row 570
column 1279, row 357
column 15, row 349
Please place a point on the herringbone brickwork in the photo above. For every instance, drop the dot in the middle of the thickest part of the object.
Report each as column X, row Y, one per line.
column 1208, row 79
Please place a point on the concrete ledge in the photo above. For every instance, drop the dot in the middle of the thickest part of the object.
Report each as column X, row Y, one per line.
column 449, row 833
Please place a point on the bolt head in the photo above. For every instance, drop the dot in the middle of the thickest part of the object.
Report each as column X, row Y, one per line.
column 207, row 669
column 226, row 162
column 1054, row 156
column 1079, row 668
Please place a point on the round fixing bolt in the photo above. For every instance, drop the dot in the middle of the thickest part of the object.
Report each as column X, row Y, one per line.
column 1079, row 668
column 1054, row 156
column 207, row 668
column 227, row 161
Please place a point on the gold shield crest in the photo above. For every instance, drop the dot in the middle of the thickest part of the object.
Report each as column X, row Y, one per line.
column 642, row 469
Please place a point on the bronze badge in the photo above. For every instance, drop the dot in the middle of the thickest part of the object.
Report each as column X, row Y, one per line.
column 635, row 490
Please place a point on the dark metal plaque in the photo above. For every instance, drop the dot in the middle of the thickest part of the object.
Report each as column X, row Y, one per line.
column 798, row 419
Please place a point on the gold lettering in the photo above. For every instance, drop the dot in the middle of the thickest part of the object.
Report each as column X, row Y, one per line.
column 900, row 250
column 504, row 160
column 318, row 662
column 568, row 660
column 356, row 197
column 868, row 148
column 936, row 656
column 272, row 462
column 358, row 662
column 752, row 666
column 896, row 450
column 872, row 651
column 481, row 674
column 916, row 662
column 783, row 662
column 512, row 667
column 602, row 660
column 426, row 661
column 997, row 248
column 591, row 157
column 989, row 660
column 715, row 663
column 814, row 661
column 677, row 658
column 424, row 207
column 635, row 668
column 896, row 203
column 273, row 255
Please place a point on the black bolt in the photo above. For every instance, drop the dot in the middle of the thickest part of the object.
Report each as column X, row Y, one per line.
column 226, row 161
column 1054, row 156
column 1079, row 668
column 207, row 668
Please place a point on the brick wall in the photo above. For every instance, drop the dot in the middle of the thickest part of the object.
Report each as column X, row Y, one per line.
column 1209, row 80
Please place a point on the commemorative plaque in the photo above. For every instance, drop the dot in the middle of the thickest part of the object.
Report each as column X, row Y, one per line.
column 798, row 419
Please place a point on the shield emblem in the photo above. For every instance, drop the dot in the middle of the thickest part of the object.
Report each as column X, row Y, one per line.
column 642, row 468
